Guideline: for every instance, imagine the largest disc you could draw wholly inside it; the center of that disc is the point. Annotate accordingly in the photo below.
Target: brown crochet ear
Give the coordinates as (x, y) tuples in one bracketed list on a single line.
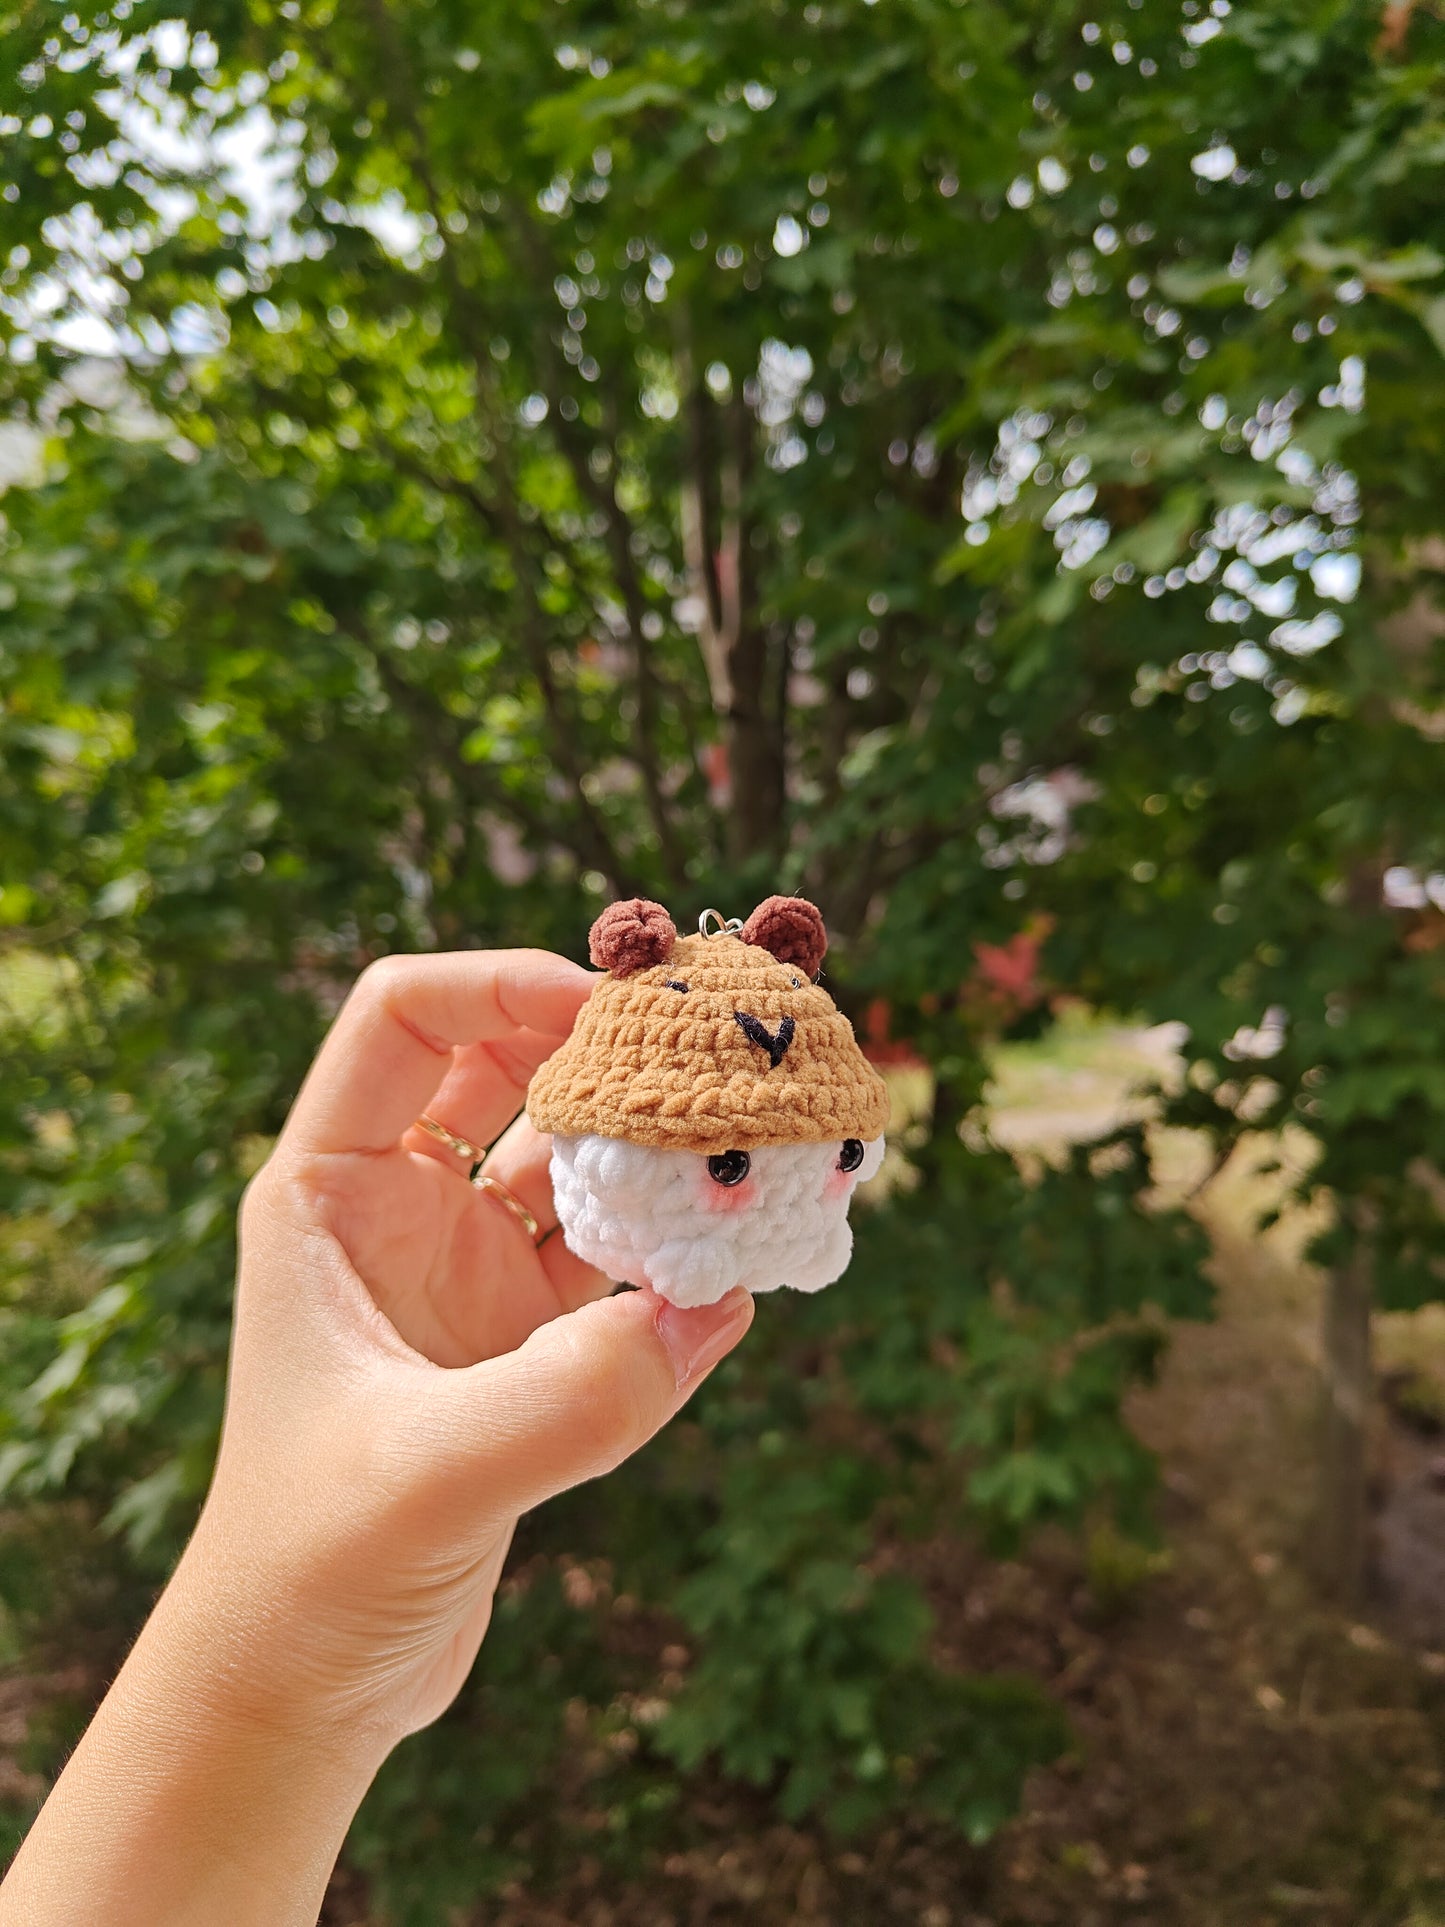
[(632, 935), (792, 928)]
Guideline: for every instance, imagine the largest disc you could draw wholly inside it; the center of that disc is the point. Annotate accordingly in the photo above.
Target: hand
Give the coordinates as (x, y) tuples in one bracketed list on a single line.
[(409, 1373)]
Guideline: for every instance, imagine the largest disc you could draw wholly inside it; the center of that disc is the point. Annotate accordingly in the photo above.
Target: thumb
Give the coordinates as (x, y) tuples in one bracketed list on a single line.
[(582, 1394)]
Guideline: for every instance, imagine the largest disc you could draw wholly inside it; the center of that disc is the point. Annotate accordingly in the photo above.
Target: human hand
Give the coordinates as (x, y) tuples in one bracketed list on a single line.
[(409, 1372)]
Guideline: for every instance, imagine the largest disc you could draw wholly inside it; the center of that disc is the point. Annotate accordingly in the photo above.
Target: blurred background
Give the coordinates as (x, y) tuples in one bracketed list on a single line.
[(974, 464)]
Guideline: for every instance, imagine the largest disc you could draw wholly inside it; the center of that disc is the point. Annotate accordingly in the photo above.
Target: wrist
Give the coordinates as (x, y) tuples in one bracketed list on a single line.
[(196, 1795), (254, 1660)]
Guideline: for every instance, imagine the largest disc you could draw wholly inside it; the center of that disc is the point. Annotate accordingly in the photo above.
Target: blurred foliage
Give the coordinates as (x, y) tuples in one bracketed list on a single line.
[(977, 466)]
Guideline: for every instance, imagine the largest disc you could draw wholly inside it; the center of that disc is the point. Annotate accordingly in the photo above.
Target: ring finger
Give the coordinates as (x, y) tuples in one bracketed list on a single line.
[(521, 1160)]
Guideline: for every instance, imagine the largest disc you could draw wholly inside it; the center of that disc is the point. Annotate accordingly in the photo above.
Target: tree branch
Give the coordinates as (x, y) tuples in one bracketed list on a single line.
[(601, 853), (758, 795), (618, 535), (435, 725), (698, 494)]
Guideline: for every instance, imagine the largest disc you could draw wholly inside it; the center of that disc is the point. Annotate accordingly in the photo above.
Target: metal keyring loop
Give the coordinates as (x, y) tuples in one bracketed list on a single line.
[(726, 926)]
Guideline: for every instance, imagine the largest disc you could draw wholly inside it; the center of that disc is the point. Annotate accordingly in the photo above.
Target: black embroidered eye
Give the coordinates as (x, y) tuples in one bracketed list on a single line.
[(796, 982), (851, 1156), (731, 1167), (671, 983)]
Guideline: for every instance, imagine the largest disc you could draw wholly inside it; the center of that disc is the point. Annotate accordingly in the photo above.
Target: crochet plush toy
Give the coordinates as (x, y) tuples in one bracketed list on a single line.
[(711, 1112)]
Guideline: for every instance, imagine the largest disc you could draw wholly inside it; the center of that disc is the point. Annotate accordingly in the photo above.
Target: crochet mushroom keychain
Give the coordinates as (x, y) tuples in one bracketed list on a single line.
[(711, 1112)]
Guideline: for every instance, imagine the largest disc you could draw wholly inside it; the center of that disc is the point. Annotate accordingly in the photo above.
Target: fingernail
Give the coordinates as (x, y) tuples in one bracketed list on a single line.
[(697, 1338)]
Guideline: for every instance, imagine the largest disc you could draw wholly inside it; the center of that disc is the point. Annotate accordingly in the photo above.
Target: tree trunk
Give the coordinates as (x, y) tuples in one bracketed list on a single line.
[(1346, 1391), (756, 811), (946, 1114)]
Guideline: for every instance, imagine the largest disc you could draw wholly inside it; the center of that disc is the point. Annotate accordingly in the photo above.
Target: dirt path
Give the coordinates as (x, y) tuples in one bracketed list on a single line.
[(1246, 1756)]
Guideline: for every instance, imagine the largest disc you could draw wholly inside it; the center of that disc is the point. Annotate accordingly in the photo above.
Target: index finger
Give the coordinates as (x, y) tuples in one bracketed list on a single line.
[(391, 1045)]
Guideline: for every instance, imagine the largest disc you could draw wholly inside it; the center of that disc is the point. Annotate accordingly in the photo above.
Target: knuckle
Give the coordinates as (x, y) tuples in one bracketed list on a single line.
[(618, 1416), (257, 1200), (286, 1192), (383, 978), (606, 1434)]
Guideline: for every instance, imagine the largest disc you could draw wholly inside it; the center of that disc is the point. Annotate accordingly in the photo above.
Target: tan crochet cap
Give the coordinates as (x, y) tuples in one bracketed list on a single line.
[(710, 1043)]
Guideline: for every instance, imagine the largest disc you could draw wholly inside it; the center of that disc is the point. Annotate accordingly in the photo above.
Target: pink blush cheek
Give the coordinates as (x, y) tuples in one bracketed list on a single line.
[(838, 1184), (726, 1200)]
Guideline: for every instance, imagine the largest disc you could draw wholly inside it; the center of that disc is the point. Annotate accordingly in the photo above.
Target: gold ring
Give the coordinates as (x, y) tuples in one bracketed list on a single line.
[(473, 1153), (496, 1189), (463, 1146)]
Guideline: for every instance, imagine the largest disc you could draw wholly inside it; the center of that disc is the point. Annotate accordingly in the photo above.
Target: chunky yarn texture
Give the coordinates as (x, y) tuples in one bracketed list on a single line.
[(718, 1047), (649, 1217)]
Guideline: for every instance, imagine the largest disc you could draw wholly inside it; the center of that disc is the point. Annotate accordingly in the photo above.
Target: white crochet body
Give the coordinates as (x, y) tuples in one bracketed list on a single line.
[(655, 1217)]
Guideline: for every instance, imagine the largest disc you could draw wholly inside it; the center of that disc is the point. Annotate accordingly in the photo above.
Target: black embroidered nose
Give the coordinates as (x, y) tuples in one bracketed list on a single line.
[(757, 1032)]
